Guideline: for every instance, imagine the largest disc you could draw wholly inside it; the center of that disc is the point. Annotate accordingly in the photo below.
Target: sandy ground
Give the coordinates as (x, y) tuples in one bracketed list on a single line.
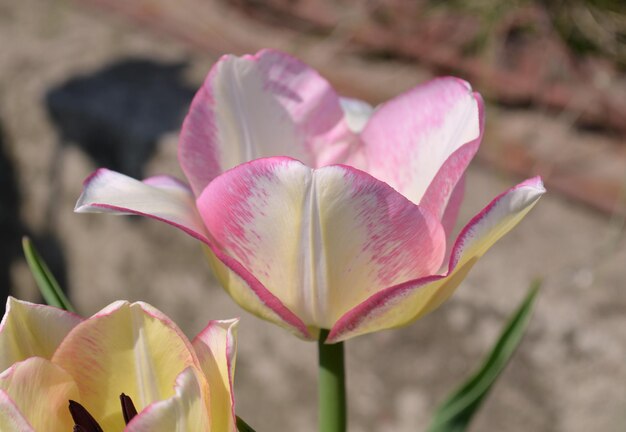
[(569, 375)]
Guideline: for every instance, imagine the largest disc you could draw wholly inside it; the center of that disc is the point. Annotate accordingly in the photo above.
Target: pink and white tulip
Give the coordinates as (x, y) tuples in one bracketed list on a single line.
[(309, 244), (50, 357)]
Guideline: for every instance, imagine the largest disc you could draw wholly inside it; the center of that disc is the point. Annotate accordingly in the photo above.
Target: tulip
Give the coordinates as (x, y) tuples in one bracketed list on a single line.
[(352, 237), (271, 104), (128, 367)]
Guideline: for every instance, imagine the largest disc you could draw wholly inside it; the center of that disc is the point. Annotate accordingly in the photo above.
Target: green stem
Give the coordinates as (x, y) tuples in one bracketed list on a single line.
[(332, 386)]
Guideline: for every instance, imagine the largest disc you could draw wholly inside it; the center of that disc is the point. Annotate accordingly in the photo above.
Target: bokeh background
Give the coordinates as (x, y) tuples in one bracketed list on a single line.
[(96, 83)]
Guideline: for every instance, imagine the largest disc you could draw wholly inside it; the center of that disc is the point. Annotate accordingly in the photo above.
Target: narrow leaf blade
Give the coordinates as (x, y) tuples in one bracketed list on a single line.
[(242, 426), (48, 286), (455, 414)]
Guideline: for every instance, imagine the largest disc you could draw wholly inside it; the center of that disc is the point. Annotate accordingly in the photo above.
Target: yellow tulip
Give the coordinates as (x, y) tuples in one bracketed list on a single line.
[(128, 367)]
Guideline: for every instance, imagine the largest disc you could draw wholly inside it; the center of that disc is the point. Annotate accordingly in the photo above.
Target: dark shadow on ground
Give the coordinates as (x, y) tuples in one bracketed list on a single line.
[(10, 224), (117, 114)]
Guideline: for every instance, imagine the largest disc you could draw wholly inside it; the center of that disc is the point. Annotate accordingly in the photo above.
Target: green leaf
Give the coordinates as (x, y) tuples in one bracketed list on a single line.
[(242, 426), (455, 414), (48, 286)]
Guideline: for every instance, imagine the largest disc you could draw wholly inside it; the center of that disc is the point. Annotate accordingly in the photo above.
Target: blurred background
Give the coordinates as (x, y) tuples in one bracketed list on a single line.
[(96, 83)]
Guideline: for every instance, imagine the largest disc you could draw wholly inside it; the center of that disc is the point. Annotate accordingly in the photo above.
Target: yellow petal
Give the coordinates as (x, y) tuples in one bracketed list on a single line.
[(32, 330), (125, 348), (183, 412), (11, 419), (216, 347), (41, 391)]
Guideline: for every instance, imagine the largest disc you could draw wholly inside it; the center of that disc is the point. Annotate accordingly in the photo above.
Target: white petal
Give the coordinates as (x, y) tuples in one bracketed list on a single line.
[(320, 241), (160, 198)]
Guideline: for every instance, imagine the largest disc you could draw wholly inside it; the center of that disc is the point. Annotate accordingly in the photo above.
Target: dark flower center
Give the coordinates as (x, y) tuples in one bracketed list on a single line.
[(84, 422)]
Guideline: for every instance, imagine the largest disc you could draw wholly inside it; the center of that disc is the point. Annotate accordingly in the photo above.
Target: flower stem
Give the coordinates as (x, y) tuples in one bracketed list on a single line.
[(332, 386)]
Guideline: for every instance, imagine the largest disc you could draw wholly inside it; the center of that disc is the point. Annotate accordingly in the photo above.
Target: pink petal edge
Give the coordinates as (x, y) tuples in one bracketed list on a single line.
[(197, 155), (351, 319), (401, 143), (441, 191)]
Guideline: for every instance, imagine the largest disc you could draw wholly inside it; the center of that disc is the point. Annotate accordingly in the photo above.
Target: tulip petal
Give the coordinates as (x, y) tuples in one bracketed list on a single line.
[(406, 302), (252, 295), (169, 183), (440, 192), (171, 202), (161, 198), (185, 411), (268, 104), (41, 391), (357, 113), (125, 348), (216, 347), (430, 132), (320, 240), (11, 419), (451, 212), (32, 330)]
